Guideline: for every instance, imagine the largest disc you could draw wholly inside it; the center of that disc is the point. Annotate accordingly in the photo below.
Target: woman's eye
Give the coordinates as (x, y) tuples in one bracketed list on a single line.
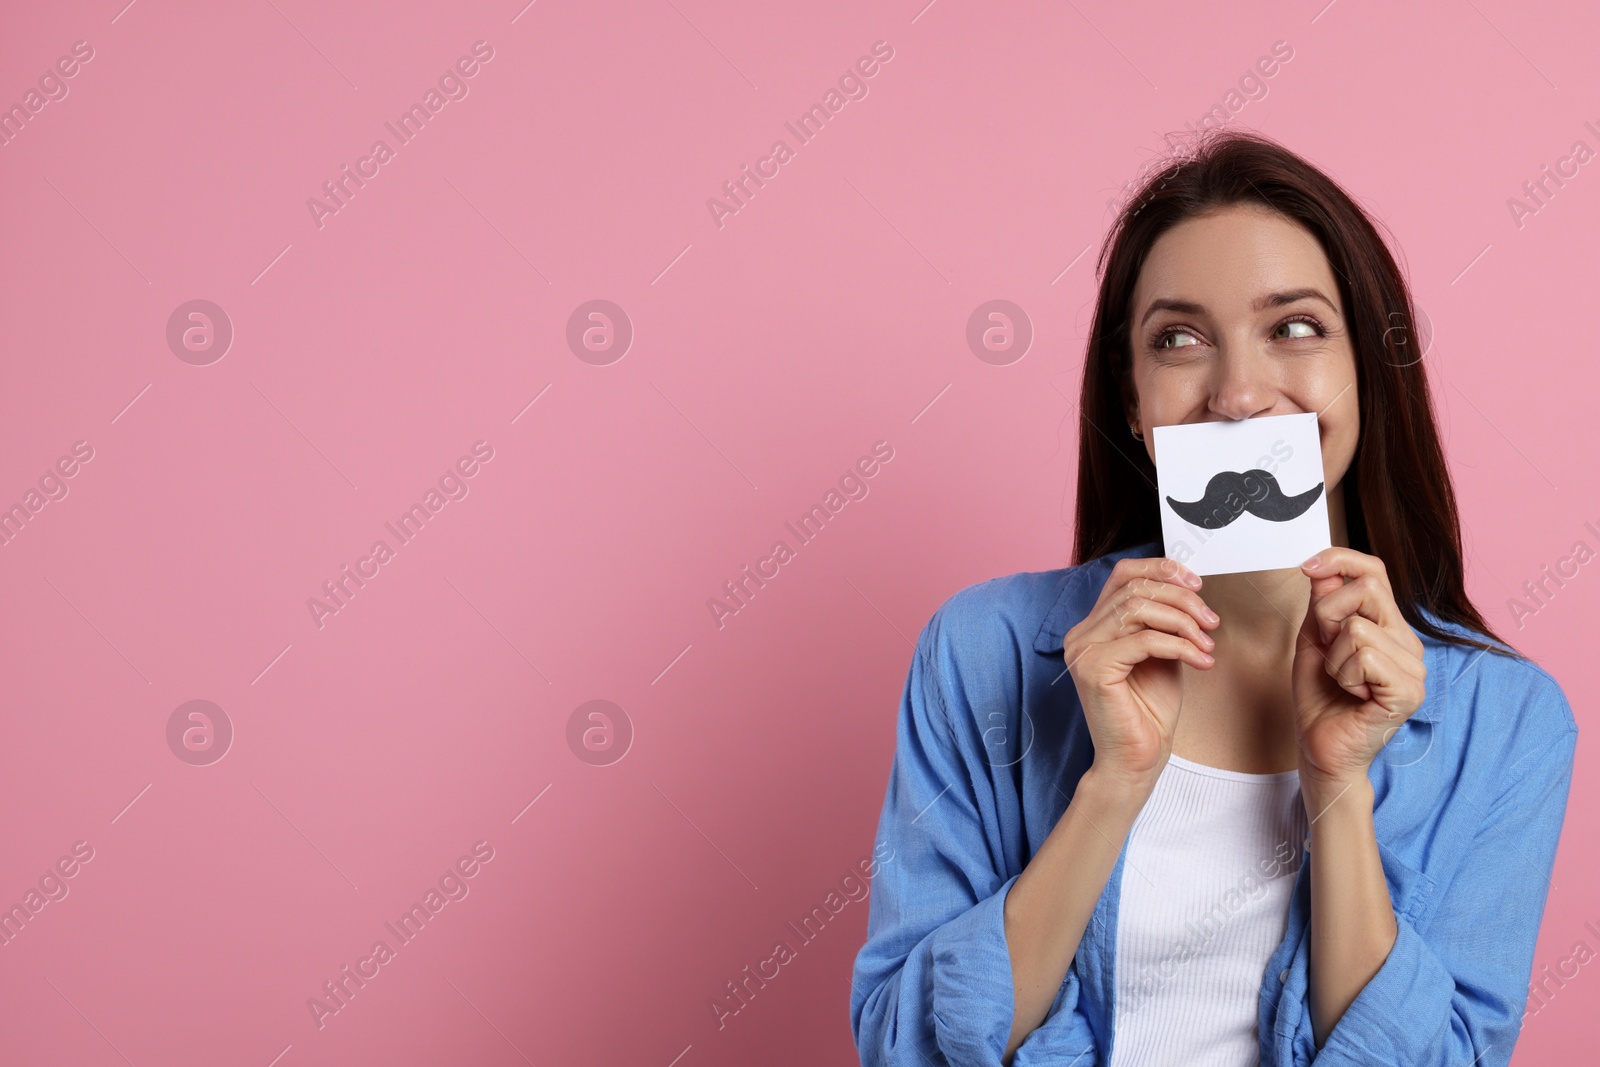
[(1307, 330), (1170, 339)]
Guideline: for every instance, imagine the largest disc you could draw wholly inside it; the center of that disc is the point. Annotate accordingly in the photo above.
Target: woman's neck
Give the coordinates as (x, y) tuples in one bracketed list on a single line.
[(1236, 715), (1260, 610), (1263, 609)]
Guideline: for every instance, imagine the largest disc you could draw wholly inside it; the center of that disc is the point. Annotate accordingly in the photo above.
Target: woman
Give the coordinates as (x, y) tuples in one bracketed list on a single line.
[(1286, 816)]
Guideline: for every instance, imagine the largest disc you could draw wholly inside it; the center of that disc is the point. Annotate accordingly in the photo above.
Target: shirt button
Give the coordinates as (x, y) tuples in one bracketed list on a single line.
[(1284, 977)]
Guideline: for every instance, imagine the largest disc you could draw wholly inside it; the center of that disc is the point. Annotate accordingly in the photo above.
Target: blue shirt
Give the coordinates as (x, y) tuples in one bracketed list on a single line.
[(1469, 798)]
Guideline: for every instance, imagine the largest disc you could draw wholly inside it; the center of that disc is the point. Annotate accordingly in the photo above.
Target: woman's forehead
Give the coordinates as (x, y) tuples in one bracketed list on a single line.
[(1233, 260)]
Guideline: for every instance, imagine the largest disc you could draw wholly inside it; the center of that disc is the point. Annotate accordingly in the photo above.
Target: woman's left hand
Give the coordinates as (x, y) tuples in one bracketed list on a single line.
[(1358, 667)]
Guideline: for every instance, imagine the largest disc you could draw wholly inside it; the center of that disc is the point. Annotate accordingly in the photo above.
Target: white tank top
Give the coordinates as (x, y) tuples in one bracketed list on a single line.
[(1205, 902)]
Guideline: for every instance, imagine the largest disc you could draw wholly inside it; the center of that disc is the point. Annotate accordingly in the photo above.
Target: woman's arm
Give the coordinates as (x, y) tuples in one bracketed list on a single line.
[(1445, 986), (963, 964), (1049, 905), (1352, 917), (1359, 672), (932, 985), (1452, 989), (1125, 658)]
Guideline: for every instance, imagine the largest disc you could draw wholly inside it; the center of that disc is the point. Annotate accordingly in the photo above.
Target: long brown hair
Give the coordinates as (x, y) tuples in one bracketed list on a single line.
[(1399, 502)]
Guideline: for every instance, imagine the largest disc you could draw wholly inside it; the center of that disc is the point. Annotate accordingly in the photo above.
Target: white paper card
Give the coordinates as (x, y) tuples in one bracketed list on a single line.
[(1242, 495)]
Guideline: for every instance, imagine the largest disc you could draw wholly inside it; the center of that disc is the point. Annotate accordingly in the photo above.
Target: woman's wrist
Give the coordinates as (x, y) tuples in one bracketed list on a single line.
[(1333, 795), (1114, 792)]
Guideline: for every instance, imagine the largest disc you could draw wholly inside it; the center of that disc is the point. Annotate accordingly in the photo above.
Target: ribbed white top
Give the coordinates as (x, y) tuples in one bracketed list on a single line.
[(1205, 902)]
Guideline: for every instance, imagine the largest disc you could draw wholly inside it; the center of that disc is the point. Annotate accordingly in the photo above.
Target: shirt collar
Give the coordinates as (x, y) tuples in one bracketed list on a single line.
[(1080, 586)]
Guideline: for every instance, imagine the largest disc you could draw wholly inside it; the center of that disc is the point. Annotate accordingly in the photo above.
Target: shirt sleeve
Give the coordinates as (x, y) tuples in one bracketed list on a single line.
[(1453, 991), (932, 985)]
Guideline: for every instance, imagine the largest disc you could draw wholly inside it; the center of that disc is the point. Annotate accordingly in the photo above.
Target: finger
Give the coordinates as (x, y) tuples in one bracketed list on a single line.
[(1364, 596), (1126, 652), (1110, 662), (1372, 674), (1186, 600), (1346, 674), (1398, 684), (1140, 613), (1346, 563), (1360, 631), (1155, 568), (1122, 616), (1311, 656), (1159, 577)]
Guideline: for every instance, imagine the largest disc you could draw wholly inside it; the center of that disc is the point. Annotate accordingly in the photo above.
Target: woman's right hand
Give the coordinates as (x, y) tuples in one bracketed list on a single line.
[(1124, 659)]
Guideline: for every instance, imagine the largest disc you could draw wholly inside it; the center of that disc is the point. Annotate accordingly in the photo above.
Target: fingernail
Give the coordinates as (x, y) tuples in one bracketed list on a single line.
[(1193, 580), (1211, 616), (1312, 564)]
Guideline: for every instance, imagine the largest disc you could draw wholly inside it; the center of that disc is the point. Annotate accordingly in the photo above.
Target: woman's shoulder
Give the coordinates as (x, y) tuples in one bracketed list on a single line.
[(1027, 609), (1504, 699)]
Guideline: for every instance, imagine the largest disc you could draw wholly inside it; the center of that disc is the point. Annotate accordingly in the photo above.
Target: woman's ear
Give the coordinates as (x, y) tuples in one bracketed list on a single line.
[(1130, 410), (1129, 396)]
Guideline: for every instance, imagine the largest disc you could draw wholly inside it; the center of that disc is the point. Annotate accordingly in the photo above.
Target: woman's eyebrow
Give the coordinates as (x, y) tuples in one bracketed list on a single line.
[(1271, 300), (1183, 307), (1289, 296)]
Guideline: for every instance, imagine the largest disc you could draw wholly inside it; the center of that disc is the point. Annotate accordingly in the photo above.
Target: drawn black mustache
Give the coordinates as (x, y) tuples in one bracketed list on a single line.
[(1230, 494)]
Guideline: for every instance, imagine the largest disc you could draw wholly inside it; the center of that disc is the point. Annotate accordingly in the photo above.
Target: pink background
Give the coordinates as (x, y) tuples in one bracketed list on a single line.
[(768, 355)]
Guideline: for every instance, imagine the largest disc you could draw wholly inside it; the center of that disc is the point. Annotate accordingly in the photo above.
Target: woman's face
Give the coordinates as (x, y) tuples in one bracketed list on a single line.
[(1236, 315)]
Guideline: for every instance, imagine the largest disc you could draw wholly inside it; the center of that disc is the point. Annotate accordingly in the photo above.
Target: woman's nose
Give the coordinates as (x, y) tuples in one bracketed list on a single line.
[(1243, 386)]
